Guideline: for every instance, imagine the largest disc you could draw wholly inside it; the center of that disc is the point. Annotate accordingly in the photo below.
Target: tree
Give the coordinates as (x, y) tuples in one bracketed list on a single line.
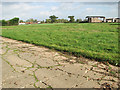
[(53, 18), (48, 21), (62, 21), (78, 20), (13, 21), (30, 20), (71, 19), (21, 21), (35, 21), (43, 21), (4, 23), (66, 21), (0, 22)]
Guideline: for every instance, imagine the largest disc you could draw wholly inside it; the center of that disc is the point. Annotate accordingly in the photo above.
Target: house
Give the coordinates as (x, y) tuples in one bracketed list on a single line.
[(110, 20), (117, 20), (94, 19)]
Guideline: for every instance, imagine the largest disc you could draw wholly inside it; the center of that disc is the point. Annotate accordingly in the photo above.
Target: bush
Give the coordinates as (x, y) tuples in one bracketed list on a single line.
[(4, 23)]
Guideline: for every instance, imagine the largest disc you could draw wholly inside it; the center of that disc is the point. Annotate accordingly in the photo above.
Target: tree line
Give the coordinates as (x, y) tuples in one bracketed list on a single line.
[(52, 19), (10, 22)]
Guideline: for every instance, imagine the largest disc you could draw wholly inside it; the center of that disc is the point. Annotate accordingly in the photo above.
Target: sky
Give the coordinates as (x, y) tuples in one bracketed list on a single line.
[(42, 10)]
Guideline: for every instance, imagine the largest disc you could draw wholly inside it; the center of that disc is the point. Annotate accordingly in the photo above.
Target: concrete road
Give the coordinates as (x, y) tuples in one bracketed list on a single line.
[(28, 66)]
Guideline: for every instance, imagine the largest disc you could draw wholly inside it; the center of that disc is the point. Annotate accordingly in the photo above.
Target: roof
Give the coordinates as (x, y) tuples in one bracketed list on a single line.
[(117, 18), (109, 19), (95, 17), (21, 22)]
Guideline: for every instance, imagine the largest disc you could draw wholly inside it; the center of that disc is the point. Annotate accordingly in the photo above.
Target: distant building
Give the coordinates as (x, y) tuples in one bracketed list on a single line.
[(29, 22), (39, 22), (95, 19), (117, 20), (22, 23), (32, 23), (110, 20)]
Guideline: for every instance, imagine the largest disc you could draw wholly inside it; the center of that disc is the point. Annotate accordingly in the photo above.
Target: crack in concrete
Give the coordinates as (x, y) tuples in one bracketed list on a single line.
[(9, 64), (69, 74)]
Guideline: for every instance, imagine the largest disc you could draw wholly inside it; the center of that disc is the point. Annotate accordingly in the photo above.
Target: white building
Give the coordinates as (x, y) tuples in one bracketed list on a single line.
[(39, 22), (21, 23)]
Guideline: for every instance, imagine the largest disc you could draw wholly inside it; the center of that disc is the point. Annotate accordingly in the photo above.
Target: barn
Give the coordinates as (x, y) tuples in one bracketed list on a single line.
[(95, 19), (117, 20)]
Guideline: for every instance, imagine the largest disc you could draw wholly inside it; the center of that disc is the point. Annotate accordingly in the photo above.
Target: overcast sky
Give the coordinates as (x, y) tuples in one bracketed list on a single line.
[(42, 10)]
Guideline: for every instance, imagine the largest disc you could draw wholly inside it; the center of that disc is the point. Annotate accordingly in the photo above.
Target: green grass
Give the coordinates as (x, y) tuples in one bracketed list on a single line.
[(97, 41)]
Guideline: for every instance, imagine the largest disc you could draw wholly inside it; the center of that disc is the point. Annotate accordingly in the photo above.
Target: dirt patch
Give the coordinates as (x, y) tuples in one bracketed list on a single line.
[(6, 28)]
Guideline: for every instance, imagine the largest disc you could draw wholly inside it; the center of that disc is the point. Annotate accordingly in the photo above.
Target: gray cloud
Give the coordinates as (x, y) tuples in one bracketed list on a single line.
[(41, 11), (60, 1)]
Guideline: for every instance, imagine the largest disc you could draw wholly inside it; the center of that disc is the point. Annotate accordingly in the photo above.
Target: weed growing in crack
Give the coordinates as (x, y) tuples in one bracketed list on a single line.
[(94, 65), (9, 64), (34, 85), (36, 79), (49, 87), (112, 72), (16, 50), (6, 51), (109, 68), (81, 62)]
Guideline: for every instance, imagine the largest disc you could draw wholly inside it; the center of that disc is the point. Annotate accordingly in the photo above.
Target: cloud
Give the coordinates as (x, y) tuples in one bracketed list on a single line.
[(42, 11), (89, 9), (54, 8), (46, 13), (22, 10), (60, 1)]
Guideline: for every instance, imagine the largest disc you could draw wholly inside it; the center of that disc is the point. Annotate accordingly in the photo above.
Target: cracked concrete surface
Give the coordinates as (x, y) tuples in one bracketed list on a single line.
[(29, 66)]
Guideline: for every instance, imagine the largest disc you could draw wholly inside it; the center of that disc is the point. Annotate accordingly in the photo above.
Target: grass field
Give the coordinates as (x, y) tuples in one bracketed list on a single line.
[(97, 41)]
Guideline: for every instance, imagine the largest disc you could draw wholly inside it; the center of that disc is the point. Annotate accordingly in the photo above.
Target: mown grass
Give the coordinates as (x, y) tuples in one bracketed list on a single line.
[(98, 41)]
